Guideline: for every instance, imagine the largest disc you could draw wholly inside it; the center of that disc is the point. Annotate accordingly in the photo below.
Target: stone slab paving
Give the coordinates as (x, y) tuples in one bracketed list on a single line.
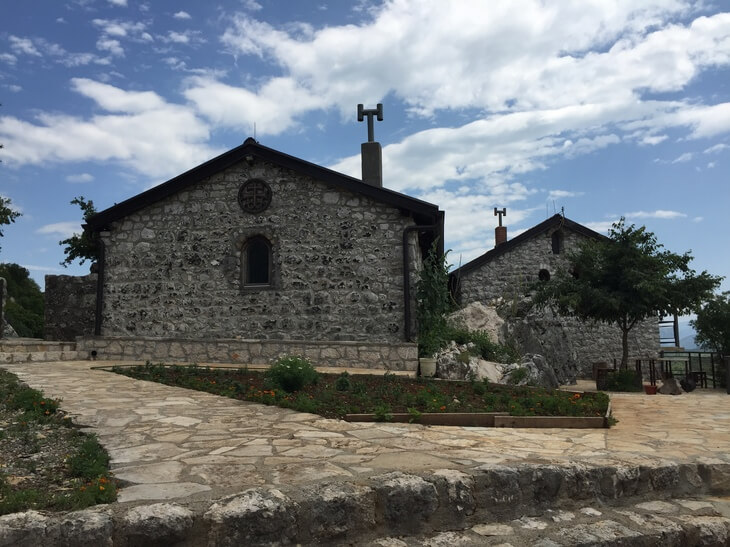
[(171, 443), (175, 444)]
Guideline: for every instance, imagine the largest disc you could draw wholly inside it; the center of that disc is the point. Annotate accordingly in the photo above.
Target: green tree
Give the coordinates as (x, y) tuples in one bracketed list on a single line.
[(713, 324), (624, 279), (81, 247), (24, 309), (7, 213)]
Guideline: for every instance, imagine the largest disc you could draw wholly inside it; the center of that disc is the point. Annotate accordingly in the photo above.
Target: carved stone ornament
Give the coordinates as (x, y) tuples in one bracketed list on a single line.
[(254, 196)]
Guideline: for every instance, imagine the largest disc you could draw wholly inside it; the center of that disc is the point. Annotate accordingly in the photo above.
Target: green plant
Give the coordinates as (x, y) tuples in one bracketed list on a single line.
[(343, 382), (383, 413), (91, 461), (517, 375), (623, 380), (292, 373), (434, 302), (414, 415)]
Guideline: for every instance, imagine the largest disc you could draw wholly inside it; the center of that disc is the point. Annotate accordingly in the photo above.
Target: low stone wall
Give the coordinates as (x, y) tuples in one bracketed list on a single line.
[(402, 356), (388, 504), (70, 308)]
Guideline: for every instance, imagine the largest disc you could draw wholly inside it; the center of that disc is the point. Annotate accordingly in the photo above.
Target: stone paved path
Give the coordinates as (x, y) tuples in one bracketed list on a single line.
[(183, 445)]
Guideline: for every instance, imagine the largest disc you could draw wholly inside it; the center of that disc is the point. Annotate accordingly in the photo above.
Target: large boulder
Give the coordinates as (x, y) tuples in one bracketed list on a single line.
[(537, 372), (480, 317), (670, 386), (456, 362)]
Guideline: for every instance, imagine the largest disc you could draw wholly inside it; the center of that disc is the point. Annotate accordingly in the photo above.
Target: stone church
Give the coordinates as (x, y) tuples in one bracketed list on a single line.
[(501, 276), (255, 254)]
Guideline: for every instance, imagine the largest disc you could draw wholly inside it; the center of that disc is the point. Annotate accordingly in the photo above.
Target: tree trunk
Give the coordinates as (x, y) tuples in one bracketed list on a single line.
[(624, 348)]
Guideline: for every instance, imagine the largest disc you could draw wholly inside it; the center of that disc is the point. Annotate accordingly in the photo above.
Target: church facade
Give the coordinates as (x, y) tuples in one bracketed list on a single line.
[(255, 254)]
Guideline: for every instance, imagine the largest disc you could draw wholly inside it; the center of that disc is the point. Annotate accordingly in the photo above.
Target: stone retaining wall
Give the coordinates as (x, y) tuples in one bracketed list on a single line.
[(393, 503), (396, 356), (70, 306)]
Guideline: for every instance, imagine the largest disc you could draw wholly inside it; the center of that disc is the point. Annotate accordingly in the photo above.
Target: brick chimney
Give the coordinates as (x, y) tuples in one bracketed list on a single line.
[(500, 232), (371, 152)]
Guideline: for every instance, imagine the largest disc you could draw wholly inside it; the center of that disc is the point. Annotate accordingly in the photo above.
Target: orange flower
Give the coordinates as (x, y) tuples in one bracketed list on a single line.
[(101, 487), (443, 408)]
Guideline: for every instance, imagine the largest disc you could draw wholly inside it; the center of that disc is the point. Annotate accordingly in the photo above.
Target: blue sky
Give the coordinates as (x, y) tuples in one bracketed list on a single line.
[(605, 108)]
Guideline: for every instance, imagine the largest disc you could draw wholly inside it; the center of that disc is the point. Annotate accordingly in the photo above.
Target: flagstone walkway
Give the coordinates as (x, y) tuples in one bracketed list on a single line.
[(174, 443)]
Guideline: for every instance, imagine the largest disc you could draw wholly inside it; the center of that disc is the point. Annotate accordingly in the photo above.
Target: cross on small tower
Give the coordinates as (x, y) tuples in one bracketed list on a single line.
[(500, 213), (370, 112)]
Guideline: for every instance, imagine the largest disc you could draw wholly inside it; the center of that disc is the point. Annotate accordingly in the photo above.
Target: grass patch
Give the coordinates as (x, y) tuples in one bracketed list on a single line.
[(45, 462), (334, 395)]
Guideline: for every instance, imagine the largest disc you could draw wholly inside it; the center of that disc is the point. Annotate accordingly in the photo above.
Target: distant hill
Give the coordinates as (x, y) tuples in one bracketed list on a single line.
[(688, 343)]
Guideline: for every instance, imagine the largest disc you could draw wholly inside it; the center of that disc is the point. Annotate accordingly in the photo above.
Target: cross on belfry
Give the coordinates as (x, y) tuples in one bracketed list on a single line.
[(500, 213), (361, 113)]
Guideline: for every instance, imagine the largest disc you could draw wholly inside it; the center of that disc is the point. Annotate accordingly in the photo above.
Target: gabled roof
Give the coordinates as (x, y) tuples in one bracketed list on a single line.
[(423, 212), (554, 221)]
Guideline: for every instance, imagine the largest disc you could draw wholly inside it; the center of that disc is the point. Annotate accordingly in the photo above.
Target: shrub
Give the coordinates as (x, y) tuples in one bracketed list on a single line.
[(623, 380), (517, 375), (343, 382), (292, 373)]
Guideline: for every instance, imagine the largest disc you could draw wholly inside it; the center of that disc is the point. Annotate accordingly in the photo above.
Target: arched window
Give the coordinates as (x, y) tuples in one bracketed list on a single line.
[(256, 262), (557, 242), (543, 275)]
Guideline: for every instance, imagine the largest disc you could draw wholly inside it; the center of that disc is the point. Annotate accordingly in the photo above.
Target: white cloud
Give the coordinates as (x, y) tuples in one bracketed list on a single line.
[(557, 194), (240, 108), (112, 46), (711, 165), (698, 219), (251, 5), (13, 87), (80, 177), (140, 131), (23, 46), (182, 15), (120, 3), (8, 58), (653, 139), (185, 37), (720, 147), (659, 214), (687, 156), (34, 268), (60, 229)]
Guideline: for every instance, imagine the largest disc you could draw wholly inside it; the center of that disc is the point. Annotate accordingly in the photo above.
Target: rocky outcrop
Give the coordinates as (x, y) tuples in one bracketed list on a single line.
[(537, 372), (457, 362)]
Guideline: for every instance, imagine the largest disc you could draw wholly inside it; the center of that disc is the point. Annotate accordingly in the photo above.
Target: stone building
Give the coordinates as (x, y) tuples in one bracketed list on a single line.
[(501, 277), (255, 254)]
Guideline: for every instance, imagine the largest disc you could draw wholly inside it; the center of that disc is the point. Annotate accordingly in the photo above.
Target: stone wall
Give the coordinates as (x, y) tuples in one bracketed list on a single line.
[(393, 356), (508, 275), (70, 306), (504, 281), (173, 269)]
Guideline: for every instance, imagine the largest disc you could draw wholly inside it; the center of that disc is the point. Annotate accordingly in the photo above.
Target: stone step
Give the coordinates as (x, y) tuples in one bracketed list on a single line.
[(27, 345), (43, 356), (685, 522)]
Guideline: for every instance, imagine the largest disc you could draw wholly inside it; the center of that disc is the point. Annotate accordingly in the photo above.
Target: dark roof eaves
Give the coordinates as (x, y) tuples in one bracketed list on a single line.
[(225, 160)]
